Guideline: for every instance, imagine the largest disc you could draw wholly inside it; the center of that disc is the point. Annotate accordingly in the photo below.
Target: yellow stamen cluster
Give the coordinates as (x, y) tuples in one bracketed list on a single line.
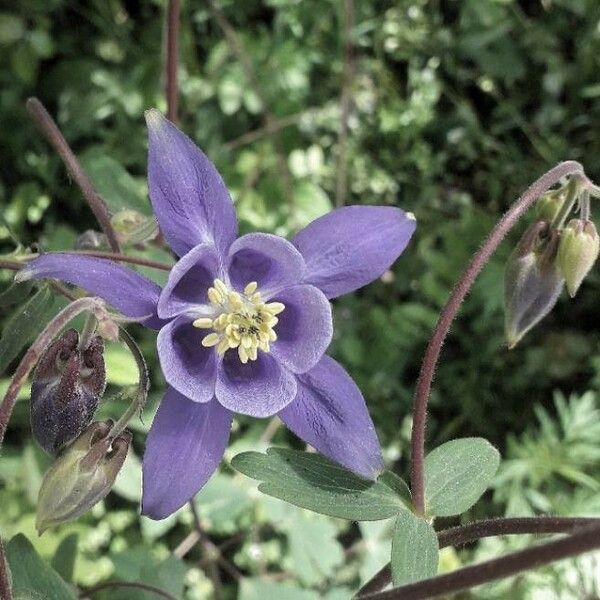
[(244, 322)]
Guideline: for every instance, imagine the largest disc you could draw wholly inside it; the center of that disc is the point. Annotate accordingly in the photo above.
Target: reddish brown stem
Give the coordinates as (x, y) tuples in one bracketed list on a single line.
[(432, 353), (583, 540), (56, 139), (172, 59), (471, 532)]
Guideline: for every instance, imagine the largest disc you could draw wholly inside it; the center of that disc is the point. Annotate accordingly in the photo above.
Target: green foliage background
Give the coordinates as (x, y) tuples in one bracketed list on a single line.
[(456, 107)]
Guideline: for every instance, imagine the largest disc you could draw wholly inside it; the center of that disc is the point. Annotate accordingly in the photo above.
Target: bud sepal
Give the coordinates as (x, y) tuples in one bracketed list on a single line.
[(82, 475), (577, 252)]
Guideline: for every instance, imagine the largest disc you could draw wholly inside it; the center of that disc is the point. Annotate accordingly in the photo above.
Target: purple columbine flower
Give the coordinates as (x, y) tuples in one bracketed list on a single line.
[(244, 323)]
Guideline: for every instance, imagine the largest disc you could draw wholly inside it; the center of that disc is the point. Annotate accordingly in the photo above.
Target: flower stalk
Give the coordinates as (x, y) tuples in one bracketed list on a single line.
[(432, 353), (584, 539), (56, 139), (471, 532)]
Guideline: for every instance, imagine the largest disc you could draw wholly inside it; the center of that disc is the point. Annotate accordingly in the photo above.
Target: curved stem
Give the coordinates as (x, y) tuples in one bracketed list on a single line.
[(126, 584), (56, 139), (143, 384), (583, 540), (32, 355), (14, 265), (471, 532), (172, 59), (432, 353), (134, 260)]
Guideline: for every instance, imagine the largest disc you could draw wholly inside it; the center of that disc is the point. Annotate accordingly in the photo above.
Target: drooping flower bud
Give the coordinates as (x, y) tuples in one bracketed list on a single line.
[(67, 385), (549, 205), (532, 282), (577, 252), (82, 476)]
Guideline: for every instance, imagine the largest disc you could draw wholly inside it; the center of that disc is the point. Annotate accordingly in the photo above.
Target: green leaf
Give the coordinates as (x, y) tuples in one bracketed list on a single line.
[(311, 481), (457, 473), (118, 188), (414, 549), (31, 575), (64, 557), (396, 483), (16, 292), (26, 322)]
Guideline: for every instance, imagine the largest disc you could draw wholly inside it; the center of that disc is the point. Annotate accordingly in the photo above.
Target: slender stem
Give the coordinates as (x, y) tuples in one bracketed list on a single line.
[(134, 260), (89, 328), (32, 355), (583, 540), (257, 134), (56, 139), (125, 584), (143, 384), (14, 265), (449, 311), (172, 58), (471, 532), (5, 591), (565, 209), (341, 187)]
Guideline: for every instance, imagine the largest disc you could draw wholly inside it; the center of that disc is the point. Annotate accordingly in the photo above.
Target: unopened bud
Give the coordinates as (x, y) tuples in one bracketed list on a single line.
[(67, 385), (550, 204), (82, 476), (577, 252), (532, 282)]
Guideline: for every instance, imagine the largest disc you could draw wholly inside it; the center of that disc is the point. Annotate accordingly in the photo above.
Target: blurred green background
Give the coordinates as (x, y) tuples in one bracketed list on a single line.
[(454, 107)]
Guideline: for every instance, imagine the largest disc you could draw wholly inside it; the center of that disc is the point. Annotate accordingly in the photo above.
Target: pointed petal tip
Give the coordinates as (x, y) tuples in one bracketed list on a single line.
[(25, 274), (153, 117)]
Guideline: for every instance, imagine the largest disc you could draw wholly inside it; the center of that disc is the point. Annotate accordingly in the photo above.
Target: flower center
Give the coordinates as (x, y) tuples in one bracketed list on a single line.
[(244, 321)]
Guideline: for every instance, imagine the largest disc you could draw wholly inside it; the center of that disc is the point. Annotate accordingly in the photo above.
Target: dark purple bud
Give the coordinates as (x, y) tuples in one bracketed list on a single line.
[(67, 385)]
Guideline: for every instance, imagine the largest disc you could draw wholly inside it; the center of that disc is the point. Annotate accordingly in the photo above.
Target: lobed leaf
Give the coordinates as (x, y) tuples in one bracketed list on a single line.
[(313, 482)]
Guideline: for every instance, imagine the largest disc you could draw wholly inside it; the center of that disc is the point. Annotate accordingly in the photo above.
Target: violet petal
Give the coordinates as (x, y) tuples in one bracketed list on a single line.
[(352, 246), (330, 414), (188, 195), (305, 328), (189, 281), (268, 259), (259, 388), (131, 293), (184, 447), (187, 365)]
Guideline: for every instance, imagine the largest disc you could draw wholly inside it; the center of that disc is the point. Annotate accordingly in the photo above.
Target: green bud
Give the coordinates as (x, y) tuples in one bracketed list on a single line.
[(81, 476), (532, 282), (577, 252), (549, 205)]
